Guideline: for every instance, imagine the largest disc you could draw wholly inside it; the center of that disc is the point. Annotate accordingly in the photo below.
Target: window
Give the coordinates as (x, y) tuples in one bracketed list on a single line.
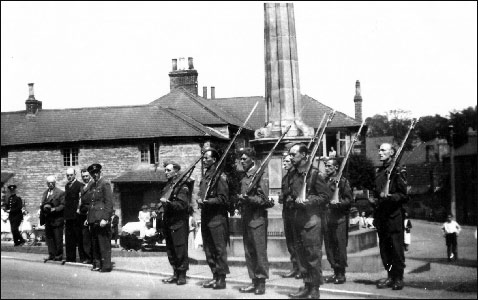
[(149, 153), (70, 157)]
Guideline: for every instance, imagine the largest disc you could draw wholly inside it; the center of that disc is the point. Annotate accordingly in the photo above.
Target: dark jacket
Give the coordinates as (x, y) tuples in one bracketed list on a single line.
[(15, 205), (72, 199), (318, 193), (85, 197), (101, 207), (57, 201), (218, 202), (338, 213), (177, 209), (388, 210)]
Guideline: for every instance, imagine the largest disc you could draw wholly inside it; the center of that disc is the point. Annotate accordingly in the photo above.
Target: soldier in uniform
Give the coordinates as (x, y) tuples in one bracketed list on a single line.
[(51, 215), (73, 224), (288, 213), (308, 220), (214, 220), (336, 223), (176, 223), (85, 201), (99, 216), (254, 220), (388, 218), (15, 215)]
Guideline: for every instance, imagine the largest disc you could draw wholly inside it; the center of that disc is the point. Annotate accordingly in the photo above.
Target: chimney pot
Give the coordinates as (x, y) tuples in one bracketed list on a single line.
[(31, 95), (204, 92), (190, 63), (358, 102), (213, 92), (175, 64)]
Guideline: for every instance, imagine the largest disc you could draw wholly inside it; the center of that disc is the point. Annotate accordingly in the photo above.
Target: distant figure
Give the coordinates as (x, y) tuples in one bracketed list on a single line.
[(144, 216), (332, 152), (26, 227), (451, 229), (15, 215), (354, 216), (362, 220), (369, 221), (114, 227), (407, 226), (6, 230)]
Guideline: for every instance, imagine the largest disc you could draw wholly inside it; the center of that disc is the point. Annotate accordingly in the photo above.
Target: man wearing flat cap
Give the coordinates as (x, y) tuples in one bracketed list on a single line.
[(254, 219), (14, 208), (51, 214), (98, 219)]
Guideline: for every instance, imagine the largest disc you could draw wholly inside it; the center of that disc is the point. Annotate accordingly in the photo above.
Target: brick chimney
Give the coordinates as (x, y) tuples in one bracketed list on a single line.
[(358, 102), (213, 92), (32, 105), (204, 92), (180, 76)]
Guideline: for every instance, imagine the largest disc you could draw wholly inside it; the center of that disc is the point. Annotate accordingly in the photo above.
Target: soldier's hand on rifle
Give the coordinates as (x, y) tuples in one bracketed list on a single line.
[(164, 200), (103, 223), (86, 223)]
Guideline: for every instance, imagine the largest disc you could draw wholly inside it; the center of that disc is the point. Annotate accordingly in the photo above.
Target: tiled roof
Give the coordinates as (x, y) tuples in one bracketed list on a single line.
[(96, 123), (468, 148), (198, 108), (311, 113), (141, 176)]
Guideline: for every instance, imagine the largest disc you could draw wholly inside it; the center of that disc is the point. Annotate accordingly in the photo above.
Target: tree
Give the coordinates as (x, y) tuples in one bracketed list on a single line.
[(430, 127), (394, 123), (360, 172), (461, 121)]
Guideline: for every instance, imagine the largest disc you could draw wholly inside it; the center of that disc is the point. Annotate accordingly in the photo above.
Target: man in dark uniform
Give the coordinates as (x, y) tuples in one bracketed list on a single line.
[(176, 223), (388, 218), (254, 220), (15, 215), (51, 215), (85, 201), (288, 214), (114, 227), (309, 213), (99, 216), (73, 224), (214, 220), (336, 223)]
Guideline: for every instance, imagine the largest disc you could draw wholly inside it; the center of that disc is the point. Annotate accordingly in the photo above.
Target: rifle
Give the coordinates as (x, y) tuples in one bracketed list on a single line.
[(219, 166), (184, 176), (335, 197), (395, 160), (312, 154), (258, 173), (318, 130)]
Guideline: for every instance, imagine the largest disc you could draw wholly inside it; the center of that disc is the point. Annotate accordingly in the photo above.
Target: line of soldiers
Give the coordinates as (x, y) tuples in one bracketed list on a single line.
[(308, 221), (84, 212)]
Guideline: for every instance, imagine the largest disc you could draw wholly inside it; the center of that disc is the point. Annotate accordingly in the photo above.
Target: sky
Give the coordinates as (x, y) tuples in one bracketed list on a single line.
[(415, 56)]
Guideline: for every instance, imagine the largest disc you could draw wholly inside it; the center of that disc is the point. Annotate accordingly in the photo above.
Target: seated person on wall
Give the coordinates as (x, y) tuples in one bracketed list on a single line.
[(354, 219)]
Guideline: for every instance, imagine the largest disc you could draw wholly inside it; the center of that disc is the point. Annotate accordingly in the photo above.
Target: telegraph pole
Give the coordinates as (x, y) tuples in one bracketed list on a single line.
[(452, 174)]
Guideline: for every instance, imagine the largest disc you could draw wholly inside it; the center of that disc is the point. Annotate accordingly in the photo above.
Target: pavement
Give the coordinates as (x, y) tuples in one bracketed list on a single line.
[(435, 279)]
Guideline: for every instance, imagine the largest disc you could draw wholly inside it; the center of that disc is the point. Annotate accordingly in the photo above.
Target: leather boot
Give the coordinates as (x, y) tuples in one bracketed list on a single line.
[(172, 279), (302, 293), (340, 278), (260, 287), (250, 288), (385, 283), (331, 279), (210, 283), (181, 278), (220, 283), (398, 282), (314, 293)]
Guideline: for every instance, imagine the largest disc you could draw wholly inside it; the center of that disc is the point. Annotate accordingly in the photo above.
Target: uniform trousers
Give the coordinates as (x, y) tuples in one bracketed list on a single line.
[(101, 244), (335, 239), (288, 218), (15, 225), (86, 239), (215, 234), (255, 243), (176, 236), (54, 240), (74, 239), (308, 236), (392, 252)]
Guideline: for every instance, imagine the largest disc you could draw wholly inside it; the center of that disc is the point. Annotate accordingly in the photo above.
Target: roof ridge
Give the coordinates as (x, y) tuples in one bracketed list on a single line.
[(79, 108), (193, 97), (176, 114)]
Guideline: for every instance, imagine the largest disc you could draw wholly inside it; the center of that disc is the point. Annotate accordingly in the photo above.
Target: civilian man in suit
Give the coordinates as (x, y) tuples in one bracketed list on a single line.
[(51, 215), (85, 201), (99, 217), (15, 215), (254, 219), (176, 223), (114, 227), (73, 225)]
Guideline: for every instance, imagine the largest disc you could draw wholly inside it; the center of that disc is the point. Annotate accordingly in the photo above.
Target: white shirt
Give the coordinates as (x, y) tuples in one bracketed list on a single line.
[(451, 227)]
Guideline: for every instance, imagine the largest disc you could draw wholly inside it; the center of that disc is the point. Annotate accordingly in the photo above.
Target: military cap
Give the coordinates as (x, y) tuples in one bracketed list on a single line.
[(247, 151), (94, 168), (11, 187)]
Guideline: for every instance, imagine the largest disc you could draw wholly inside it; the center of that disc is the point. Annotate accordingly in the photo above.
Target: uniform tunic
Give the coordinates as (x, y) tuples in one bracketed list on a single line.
[(388, 220), (336, 228), (254, 221), (214, 219), (15, 205), (101, 208), (308, 222), (176, 226)]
